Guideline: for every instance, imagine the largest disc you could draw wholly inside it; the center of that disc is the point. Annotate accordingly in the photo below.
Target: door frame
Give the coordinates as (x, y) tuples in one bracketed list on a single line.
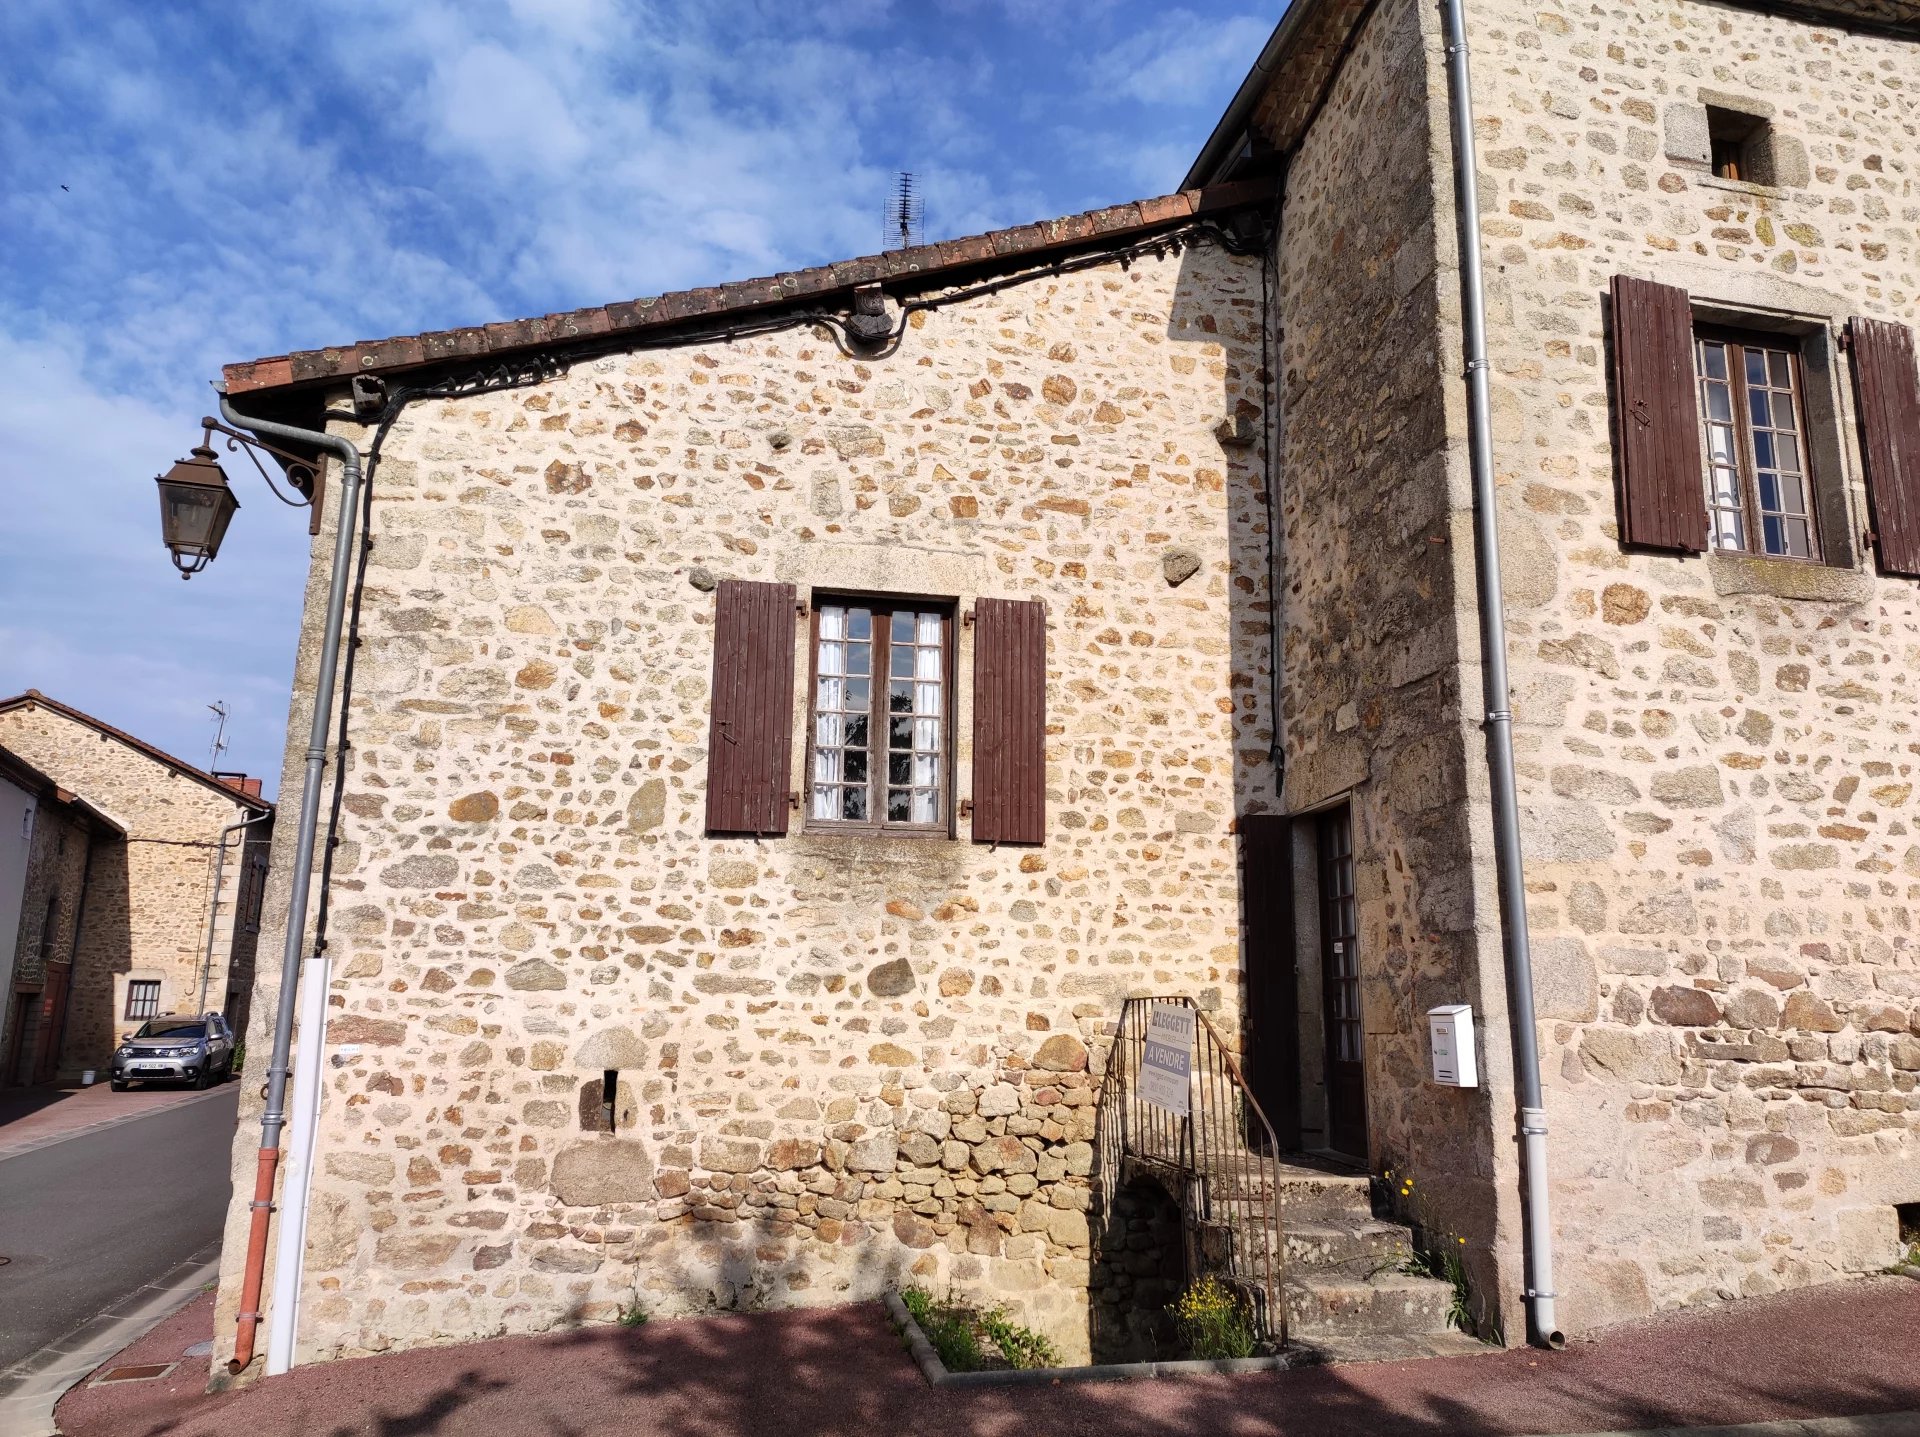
[(1345, 1077)]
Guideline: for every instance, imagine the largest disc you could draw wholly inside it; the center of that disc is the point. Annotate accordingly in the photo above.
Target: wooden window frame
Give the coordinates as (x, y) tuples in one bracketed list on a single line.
[(877, 824), (1745, 463), (150, 986)]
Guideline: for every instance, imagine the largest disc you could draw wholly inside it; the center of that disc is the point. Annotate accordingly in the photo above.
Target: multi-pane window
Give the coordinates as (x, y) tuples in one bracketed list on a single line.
[(143, 997), (1759, 498), (879, 741)]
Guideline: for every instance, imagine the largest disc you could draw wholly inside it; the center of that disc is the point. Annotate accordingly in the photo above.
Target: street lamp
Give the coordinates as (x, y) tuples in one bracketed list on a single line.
[(196, 505)]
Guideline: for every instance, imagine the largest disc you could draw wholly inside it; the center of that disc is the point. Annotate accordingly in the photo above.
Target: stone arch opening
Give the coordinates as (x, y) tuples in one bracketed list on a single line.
[(1139, 1268)]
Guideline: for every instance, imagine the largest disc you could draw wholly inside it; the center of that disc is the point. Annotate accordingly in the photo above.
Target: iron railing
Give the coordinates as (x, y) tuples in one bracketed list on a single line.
[(1218, 1160)]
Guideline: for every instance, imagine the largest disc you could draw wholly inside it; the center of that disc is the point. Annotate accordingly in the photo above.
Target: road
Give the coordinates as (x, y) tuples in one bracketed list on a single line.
[(86, 1221)]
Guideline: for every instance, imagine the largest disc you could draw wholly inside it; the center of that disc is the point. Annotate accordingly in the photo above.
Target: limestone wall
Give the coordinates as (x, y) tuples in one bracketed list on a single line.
[(147, 898), (1379, 634), (1716, 753), (842, 1059)]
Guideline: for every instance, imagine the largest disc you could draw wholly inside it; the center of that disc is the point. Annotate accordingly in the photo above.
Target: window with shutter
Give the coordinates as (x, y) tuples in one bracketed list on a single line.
[(1887, 396), (750, 736), (1656, 418), (1009, 721)]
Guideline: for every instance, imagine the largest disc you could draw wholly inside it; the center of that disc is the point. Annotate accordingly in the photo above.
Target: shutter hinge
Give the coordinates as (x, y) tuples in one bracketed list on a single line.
[(966, 808), (1869, 538), (1846, 339), (793, 798), (800, 607), (966, 619)]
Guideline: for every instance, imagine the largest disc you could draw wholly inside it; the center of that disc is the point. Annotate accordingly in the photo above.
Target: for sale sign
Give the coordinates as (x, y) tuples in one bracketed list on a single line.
[(1166, 1068)]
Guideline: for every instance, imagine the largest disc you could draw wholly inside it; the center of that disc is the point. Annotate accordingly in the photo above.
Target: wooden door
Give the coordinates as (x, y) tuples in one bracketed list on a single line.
[(1340, 988), (1272, 1001), (53, 1025)]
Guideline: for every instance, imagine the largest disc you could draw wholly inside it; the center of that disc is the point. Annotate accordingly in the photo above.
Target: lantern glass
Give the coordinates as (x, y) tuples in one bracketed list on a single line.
[(195, 509)]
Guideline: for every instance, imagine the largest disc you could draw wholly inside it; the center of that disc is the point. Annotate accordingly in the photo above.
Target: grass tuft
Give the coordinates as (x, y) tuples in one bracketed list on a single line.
[(972, 1339)]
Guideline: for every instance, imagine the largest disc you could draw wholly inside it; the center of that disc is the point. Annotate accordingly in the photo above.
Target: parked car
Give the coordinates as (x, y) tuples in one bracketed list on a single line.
[(175, 1047)]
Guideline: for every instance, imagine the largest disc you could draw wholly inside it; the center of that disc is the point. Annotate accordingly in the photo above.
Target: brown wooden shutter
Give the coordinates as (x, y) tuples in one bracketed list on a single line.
[(1009, 721), (750, 739), (1887, 395), (1663, 502)]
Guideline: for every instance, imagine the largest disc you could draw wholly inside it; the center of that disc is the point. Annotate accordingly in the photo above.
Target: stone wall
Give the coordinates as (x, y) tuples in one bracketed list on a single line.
[(49, 905), (1379, 634), (1716, 753), (147, 898), (841, 1059)]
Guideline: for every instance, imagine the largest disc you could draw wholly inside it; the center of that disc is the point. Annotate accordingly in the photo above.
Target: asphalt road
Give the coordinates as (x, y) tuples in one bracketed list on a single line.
[(86, 1221)]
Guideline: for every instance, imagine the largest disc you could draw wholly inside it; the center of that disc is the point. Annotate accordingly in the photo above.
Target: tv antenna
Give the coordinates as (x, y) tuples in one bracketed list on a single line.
[(219, 710), (904, 213)]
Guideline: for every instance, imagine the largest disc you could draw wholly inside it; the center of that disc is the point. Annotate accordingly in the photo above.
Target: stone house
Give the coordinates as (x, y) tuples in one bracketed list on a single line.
[(48, 839), (1145, 538), (147, 932)]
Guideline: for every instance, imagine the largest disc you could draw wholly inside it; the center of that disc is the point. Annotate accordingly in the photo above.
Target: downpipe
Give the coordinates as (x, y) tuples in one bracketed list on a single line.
[(1542, 1328), (213, 909), (309, 987)]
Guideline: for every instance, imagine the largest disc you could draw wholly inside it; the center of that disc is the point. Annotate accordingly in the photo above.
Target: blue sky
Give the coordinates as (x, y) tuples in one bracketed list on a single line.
[(192, 184)]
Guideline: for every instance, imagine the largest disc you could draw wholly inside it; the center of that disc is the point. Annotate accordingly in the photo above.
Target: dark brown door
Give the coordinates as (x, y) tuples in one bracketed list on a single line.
[(1340, 988), (1273, 995)]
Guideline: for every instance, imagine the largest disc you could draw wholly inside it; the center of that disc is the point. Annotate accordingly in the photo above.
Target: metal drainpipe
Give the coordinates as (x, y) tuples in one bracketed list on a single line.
[(290, 1249), (1541, 1326), (213, 912)]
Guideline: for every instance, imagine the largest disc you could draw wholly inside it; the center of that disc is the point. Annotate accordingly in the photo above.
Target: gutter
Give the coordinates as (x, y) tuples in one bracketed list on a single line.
[(1496, 695), (290, 1251), (1225, 144), (213, 909)]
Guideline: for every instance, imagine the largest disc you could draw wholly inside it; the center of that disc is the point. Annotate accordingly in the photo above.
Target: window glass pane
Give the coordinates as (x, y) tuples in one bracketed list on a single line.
[(926, 770), (1719, 403), (859, 658), (857, 731), (1726, 488), (856, 765), (859, 694), (926, 664), (1763, 449), (923, 810), (833, 658), (826, 765), (899, 768), (853, 804), (1758, 408), (827, 695), (833, 621), (1799, 536), (929, 629), (900, 662), (1782, 374), (1769, 492), (899, 805), (1792, 495), (1756, 366), (826, 802), (900, 733), (1715, 358), (900, 697), (903, 627), (859, 624), (1772, 536), (1720, 443), (926, 734), (926, 700)]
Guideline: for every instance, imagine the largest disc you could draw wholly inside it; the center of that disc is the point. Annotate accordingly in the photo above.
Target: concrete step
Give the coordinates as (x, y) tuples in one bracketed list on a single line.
[(1327, 1350), (1387, 1304)]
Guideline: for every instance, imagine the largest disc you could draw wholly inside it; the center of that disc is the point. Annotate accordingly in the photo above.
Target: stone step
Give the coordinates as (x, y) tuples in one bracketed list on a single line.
[(1348, 1245), (1387, 1304), (1327, 1350)]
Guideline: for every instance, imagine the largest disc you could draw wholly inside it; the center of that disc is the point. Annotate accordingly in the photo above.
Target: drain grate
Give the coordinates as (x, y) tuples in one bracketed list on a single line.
[(144, 1372)]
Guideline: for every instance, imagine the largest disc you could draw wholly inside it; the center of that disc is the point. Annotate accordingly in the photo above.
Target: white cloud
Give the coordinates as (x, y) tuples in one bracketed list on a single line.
[(1185, 59)]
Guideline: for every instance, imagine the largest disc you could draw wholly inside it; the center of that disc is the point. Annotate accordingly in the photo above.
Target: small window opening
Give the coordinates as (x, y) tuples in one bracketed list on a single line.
[(1734, 138), (600, 1104), (1909, 1215), (609, 1091)]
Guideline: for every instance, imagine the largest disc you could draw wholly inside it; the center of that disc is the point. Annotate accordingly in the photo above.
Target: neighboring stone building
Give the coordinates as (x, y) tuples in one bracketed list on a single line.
[(48, 841), (152, 935), (650, 981)]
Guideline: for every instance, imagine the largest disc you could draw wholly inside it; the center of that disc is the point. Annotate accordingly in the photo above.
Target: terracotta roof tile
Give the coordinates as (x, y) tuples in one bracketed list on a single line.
[(919, 264)]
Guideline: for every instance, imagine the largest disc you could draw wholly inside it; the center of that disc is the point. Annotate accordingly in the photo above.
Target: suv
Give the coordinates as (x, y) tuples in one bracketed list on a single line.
[(177, 1047)]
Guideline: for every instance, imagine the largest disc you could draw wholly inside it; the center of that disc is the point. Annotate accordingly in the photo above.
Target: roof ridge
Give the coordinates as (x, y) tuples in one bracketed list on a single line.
[(159, 755), (916, 266)]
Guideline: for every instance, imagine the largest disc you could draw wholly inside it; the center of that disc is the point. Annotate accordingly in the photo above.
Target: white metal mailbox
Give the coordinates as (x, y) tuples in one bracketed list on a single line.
[(1450, 1029)]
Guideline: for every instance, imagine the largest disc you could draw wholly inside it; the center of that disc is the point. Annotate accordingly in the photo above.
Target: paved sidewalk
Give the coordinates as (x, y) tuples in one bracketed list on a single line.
[(1846, 1349), (33, 1118)]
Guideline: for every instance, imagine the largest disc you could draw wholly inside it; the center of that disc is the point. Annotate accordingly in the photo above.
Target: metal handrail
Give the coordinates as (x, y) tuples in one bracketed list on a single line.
[(1218, 1159)]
